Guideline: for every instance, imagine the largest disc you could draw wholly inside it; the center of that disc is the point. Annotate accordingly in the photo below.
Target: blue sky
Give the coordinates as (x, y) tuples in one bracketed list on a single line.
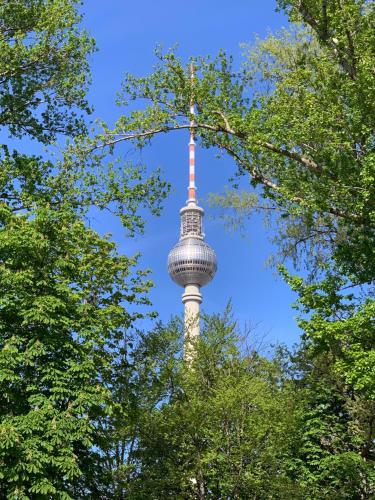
[(127, 33)]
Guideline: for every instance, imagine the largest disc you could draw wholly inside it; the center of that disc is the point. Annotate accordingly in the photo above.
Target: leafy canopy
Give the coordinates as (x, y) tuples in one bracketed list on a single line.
[(44, 74), (67, 296), (232, 423)]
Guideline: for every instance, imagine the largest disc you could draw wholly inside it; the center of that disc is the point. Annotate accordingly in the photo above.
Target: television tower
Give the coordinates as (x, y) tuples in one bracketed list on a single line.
[(191, 262)]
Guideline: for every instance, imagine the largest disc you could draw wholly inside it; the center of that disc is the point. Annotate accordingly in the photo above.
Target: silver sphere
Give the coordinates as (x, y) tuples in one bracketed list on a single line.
[(192, 262)]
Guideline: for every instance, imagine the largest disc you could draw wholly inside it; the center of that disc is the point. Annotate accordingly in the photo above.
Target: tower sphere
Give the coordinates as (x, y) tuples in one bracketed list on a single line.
[(192, 262)]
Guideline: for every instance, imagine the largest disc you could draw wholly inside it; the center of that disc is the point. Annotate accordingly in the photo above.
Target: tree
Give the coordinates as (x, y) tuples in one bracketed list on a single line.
[(335, 457), (67, 296), (218, 427), (233, 424), (62, 311)]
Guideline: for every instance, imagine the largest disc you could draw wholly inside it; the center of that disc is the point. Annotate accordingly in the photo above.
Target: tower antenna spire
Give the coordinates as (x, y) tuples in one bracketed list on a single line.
[(192, 190)]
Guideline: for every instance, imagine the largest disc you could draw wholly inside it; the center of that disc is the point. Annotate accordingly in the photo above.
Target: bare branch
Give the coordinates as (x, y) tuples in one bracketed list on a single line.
[(228, 128)]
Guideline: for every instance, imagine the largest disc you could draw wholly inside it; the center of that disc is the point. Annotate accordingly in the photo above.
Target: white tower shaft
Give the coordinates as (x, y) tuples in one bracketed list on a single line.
[(192, 299)]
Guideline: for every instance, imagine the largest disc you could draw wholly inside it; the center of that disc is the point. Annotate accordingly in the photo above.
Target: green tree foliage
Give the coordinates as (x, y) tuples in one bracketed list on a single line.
[(334, 458), (67, 296), (337, 357), (233, 424), (225, 431), (336, 323), (216, 427), (44, 74), (62, 310)]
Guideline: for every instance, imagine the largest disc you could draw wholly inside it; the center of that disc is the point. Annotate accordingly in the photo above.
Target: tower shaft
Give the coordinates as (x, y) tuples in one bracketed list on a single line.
[(192, 299)]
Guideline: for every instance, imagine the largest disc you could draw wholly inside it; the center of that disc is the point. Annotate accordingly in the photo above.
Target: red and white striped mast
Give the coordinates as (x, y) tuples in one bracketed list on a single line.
[(192, 198)]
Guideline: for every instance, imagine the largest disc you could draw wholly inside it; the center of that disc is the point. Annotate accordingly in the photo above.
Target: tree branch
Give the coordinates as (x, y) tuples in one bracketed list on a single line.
[(293, 155), (256, 174), (304, 160)]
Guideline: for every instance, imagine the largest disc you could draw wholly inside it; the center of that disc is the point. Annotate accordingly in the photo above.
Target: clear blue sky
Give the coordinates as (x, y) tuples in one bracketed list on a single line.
[(126, 34)]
